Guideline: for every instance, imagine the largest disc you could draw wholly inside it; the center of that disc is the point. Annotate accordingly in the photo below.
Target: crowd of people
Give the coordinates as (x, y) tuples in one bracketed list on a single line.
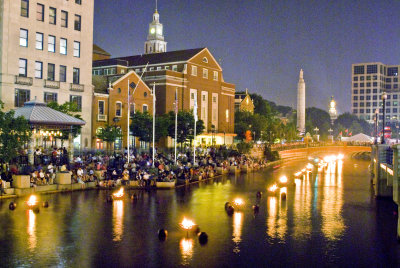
[(115, 170)]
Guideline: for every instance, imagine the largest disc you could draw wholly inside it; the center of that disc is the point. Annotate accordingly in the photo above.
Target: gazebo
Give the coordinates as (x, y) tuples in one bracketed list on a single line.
[(46, 122)]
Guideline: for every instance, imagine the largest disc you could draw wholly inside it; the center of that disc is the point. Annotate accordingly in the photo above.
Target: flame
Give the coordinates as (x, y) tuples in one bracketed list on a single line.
[(283, 179), (297, 174), (187, 224), (273, 188), (32, 201), (119, 194), (238, 201), (340, 157), (309, 166)]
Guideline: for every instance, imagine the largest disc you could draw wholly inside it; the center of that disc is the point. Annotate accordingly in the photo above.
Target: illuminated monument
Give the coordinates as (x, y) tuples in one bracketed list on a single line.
[(301, 104), (332, 110)]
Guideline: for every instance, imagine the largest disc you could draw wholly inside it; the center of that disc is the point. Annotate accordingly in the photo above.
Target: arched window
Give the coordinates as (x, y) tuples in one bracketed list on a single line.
[(205, 60)]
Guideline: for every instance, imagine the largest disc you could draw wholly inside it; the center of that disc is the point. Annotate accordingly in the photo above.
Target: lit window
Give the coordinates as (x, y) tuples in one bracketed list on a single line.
[(205, 73), (118, 109), (25, 8), (22, 67), (51, 43), (175, 68), (23, 38), (39, 69), (52, 15), (77, 49), (39, 41), (63, 46), (194, 70)]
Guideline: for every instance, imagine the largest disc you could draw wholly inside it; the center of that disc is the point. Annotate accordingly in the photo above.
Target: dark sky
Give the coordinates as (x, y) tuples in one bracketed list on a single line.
[(263, 44)]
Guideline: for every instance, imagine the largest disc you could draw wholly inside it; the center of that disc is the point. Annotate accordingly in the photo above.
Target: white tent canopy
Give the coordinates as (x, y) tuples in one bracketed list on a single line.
[(358, 138)]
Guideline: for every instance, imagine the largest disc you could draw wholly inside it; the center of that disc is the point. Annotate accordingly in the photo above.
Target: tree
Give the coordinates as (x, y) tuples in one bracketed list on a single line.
[(14, 133), (71, 109), (185, 129), (353, 124), (109, 134), (142, 126)]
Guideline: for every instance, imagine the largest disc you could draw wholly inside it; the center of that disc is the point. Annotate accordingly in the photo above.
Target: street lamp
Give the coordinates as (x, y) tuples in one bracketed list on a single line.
[(316, 129), (384, 96), (376, 125)]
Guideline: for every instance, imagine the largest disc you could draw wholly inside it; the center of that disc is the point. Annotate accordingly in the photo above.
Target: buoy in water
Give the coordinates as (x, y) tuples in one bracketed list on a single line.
[(203, 238), (36, 209), (227, 204), (162, 234), (259, 194), (45, 204), (256, 208), (283, 196), (12, 206), (230, 210)]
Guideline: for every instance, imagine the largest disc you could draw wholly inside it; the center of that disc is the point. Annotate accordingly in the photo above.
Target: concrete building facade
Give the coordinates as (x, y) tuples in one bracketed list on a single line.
[(46, 53), (368, 82)]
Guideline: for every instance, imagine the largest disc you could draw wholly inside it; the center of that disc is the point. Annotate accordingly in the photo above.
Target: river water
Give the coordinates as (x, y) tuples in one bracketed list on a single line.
[(328, 219)]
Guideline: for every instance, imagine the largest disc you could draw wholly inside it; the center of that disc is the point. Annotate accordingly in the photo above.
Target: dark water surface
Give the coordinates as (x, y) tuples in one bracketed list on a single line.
[(328, 219)]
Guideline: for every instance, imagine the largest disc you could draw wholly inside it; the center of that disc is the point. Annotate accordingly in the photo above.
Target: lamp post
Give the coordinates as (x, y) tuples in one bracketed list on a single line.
[(376, 125), (316, 129), (384, 96)]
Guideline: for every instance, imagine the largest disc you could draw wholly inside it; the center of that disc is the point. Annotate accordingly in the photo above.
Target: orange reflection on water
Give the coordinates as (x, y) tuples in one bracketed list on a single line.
[(186, 246), (302, 208), (276, 222), (32, 240), (237, 230), (118, 216)]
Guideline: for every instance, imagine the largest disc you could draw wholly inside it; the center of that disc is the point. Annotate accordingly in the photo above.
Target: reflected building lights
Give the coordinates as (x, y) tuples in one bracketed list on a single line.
[(118, 216), (276, 224), (237, 230), (32, 240)]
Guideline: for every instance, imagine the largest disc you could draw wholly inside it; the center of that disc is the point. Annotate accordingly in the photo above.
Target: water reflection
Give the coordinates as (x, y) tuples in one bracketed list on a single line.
[(237, 230), (332, 221), (276, 219), (32, 240), (118, 215), (186, 246), (302, 209)]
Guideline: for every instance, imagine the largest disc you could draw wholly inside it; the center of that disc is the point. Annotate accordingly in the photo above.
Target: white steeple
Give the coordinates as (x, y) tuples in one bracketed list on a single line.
[(155, 39), (301, 104)]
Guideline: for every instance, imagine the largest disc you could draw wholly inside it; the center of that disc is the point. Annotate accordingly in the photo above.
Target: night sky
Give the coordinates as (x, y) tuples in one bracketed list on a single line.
[(263, 44)]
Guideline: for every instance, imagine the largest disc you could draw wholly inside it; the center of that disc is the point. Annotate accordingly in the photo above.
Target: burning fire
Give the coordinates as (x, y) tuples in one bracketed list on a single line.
[(238, 201), (283, 179), (119, 194), (273, 188), (32, 201), (187, 224)]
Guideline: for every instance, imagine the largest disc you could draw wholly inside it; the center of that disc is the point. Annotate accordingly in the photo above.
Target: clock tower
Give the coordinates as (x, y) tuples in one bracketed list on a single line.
[(155, 39)]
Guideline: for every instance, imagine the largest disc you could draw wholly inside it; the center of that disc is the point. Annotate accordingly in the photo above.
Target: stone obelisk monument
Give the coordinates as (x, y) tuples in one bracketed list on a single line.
[(301, 104)]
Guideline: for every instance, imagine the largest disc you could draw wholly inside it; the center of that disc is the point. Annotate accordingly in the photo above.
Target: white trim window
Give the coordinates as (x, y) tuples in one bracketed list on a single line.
[(205, 73), (23, 37), (194, 70), (215, 76), (38, 69), (77, 49), (39, 41), (101, 107), (118, 109), (63, 46), (52, 43), (145, 108)]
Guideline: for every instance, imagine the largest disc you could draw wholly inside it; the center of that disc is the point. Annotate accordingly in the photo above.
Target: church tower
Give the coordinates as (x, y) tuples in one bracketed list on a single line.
[(155, 39)]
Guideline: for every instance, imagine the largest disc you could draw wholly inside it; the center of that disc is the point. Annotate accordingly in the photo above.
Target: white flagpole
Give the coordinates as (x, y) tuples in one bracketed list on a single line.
[(195, 121), (128, 115), (154, 118), (176, 119)]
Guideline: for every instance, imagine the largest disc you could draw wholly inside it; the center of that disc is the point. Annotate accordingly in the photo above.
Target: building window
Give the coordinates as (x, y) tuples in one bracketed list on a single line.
[(21, 96), (205, 73), (77, 49), (50, 71), (194, 70), (132, 109), (361, 97), (359, 69), (101, 107), (362, 104), (355, 78), (39, 41), (63, 73), (51, 44), (205, 60), (361, 91), (175, 68), (361, 78), (50, 97), (368, 97), (227, 115), (76, 73), (361, 84), (215, 76), (23, 37), (79, 2), (23, 67), (64, 19), (158, 68), (355, 85), (25, 8), (63, 46), (40, 12), (392, 71), (355, 104), (355, 98), (372, 69), (369, 91), (77, 100), (355, 91), (354, 111), (52, 15), (395, 97), (214, 98), (374, 104), (145, 108), (375, 90), (368, 111), (77, 24), (118, 109), (39, 69), (368, 104), (166, 67), (368, 84)]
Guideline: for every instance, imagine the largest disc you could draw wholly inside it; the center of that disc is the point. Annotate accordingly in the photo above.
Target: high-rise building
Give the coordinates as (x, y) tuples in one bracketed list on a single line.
[(369, 81), (46, 53), (301, 104)]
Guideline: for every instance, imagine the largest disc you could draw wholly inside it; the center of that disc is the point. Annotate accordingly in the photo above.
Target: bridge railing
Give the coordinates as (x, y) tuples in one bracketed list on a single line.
[(291, 146)]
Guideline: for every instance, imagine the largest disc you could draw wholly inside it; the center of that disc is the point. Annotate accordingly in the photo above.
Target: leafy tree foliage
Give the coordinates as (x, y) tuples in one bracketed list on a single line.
[(14, 133), (352, 124), (71, 109), (142, 126), (185, 126), (109, 134)]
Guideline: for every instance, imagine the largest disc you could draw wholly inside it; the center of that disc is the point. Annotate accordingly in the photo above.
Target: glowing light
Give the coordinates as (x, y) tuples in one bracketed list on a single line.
[(273, 188), (297, 174), (340, 156), (118, 216), (187, 224), (237, 230), (32, 240), (238, 202), (303, 170), (32, 201), (186, 246), (283, 190), (309, 166), (283, 179), (119, 194)]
